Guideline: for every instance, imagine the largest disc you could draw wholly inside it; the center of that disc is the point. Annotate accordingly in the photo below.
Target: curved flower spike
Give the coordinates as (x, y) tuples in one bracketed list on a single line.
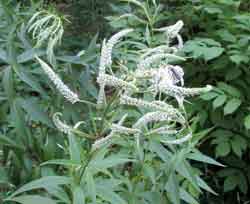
[(173, 30), (146, 63), (106, 140), (61, 87), (113, 40), (60, 125), (115, 82), (178, 141), (156, 116)]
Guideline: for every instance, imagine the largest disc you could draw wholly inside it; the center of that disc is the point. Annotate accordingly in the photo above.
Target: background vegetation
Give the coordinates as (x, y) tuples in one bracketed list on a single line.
[(217, 42)]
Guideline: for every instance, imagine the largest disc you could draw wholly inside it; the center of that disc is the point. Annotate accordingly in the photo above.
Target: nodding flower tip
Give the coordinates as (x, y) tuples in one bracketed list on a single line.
[(59, 84)]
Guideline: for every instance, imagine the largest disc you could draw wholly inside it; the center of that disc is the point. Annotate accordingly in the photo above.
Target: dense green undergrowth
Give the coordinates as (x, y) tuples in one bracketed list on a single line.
[(216, 35)]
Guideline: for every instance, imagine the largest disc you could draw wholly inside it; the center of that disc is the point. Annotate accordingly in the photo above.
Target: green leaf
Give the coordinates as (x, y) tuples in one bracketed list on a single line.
[(213, 52), (91, 187), (232, 91), (42, 183), (233, 73), (172, 187), (3, 56), (222, 149), (239, 144), (231, 106), (198, 156), (29, 79), (31, 199), (9, 142), (230, 183), (208, 96), (64, 162), (187, 197), (35, 111), (226, 35), (204, 185), (238, 59), (219, 101), (247, 122), (242, 183), (78, 196), (29, 55), (74, 149), (8, 83), (110, 161), (109, 195)]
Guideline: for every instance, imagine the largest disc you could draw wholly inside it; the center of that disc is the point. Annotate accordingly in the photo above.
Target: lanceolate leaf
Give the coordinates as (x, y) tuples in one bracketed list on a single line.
[(42, 183)]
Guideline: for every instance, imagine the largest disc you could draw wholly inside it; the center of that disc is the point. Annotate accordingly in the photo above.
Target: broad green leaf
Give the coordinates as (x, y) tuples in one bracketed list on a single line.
[(226, 35), (213, 52), (208, 96), (247, 122), (219, 101), (78, 196), (231, 106), (233, 73), (213, 10), (232, 91), (238, 59), (242, 183), (222, 149), (230, 183), (239, 144), (42, 183), (31, 199)]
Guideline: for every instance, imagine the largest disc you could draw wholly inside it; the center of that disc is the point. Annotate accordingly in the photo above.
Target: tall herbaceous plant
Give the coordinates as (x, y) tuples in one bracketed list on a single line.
[(142, 154)]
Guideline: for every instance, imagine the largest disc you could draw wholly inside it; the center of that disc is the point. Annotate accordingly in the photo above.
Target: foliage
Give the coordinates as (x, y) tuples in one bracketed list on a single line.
[(40, 163)]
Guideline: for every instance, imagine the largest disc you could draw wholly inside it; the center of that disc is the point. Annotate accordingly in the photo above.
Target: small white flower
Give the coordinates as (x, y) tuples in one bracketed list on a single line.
[(124, 130), (115, 82), (156, 116), (106, 140), (60, 125), (114, 40), (178, 141), (173, 30), (61, 87), (146, 63)]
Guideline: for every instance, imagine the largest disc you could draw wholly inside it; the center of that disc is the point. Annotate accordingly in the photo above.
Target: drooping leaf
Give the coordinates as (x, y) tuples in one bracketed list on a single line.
[(42, 183)]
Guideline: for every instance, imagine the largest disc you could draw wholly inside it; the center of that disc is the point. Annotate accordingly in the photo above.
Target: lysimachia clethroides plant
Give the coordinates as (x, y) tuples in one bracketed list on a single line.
[(138, 159)]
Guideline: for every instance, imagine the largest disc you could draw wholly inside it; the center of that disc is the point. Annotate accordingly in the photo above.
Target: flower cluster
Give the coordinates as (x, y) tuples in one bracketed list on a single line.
[(153, 74), (159, 76)]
